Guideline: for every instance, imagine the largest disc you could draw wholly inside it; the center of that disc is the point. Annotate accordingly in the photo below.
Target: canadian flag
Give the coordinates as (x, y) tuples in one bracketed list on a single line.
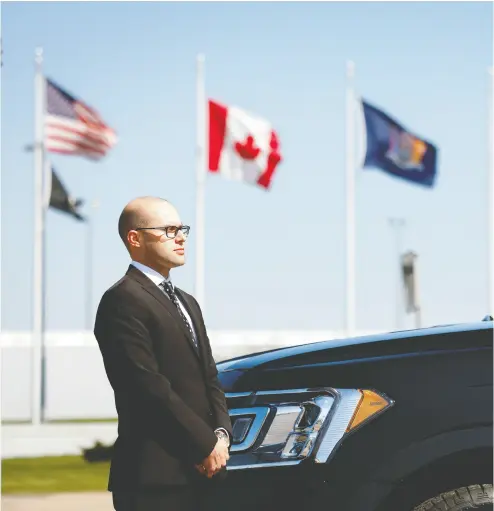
[(242, 146)]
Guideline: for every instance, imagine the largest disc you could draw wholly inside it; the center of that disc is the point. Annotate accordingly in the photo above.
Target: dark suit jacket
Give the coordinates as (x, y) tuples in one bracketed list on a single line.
[(167, 395)]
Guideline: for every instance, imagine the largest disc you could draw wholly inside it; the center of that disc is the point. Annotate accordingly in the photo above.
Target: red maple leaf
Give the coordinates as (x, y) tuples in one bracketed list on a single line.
[(247, 150)]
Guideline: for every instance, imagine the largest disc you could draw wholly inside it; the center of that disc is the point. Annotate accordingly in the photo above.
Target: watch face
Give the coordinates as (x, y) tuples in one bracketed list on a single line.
[(221, 434)]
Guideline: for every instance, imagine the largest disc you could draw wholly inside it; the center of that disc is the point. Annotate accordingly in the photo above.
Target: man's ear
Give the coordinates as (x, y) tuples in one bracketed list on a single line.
[(133, 239)]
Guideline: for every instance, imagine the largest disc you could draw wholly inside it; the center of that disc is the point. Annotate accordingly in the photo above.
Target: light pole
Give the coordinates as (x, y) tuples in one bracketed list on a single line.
[(490, 195), (89, 264), (398, 225)]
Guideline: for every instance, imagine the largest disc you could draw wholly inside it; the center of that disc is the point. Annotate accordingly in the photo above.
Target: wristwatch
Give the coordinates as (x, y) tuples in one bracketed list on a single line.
[(223, 436)]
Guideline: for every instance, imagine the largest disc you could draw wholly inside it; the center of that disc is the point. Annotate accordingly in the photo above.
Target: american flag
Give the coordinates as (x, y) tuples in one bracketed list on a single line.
[(72, 127)]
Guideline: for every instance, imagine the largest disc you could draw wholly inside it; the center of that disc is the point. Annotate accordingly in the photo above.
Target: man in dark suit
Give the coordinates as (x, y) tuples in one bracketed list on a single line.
[(174, 430)]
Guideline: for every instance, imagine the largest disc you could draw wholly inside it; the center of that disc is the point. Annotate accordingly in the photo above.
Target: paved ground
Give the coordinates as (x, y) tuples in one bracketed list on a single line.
[(59, 502)]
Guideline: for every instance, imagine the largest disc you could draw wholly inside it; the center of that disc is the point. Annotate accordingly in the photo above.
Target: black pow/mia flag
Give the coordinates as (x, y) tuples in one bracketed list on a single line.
[(61, 200)]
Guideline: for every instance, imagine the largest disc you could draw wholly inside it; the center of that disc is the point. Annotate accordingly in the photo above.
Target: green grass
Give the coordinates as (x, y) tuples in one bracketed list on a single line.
[(53, 474)]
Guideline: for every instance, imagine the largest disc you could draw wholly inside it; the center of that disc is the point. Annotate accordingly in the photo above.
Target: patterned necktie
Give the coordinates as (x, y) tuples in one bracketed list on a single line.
[(168, 288)]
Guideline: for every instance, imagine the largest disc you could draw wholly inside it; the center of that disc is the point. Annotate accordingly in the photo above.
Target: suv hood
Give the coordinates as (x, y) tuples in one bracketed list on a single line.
[(442, 338)]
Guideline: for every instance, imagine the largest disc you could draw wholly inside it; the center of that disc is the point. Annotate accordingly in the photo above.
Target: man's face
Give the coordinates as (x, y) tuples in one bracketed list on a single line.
[(160, 245)]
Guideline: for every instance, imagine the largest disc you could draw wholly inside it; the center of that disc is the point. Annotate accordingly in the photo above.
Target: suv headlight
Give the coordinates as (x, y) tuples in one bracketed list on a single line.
[(286, 427)]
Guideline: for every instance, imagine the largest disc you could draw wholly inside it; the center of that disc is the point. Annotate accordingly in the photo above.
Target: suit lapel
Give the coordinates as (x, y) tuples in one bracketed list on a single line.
[(170, 307), (195, 316), (195, 321)]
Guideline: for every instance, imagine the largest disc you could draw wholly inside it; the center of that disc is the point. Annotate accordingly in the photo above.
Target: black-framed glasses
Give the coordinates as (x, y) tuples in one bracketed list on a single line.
[(170, 230)]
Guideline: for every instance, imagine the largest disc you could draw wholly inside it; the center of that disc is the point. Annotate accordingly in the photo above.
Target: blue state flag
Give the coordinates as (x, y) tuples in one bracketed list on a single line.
[(396, 151)]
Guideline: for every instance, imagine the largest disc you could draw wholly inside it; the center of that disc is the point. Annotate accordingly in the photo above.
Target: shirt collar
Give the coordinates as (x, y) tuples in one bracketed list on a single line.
[(151, 274)]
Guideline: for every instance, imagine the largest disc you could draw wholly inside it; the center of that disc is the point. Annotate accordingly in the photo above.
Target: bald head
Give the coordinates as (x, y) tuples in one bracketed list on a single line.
[(140, 212), (153, 233)]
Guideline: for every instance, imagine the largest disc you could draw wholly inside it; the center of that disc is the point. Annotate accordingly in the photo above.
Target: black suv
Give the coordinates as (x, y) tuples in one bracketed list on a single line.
[(392, 422)]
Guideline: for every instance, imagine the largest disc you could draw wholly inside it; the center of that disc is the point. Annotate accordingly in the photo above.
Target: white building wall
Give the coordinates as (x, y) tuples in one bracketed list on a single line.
[(77, 386)]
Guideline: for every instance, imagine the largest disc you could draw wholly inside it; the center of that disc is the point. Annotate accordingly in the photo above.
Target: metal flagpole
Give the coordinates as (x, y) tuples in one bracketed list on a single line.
[(350, 199), (89, 271), (89, 264), (490, 197), (200, 182), (38, 355)]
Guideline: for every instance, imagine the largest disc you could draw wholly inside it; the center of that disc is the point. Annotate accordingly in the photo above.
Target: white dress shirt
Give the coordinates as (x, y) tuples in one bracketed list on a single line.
[(157, 279)]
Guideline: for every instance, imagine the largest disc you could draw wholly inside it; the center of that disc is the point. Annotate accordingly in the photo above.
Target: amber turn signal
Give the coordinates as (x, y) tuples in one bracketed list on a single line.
[(370, 404)]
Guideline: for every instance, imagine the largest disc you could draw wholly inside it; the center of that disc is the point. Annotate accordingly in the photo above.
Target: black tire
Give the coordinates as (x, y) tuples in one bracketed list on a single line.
[(477, 496)]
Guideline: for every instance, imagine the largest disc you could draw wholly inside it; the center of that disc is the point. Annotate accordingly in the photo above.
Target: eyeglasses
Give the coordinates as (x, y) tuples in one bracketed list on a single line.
[(170, 230)]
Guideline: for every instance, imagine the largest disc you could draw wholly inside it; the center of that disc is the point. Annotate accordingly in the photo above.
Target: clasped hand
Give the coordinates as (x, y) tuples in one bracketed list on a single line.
[(216, 460)]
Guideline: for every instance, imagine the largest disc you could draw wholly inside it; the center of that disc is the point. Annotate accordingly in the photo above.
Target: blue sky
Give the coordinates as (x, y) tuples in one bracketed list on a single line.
[(274, 260)]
